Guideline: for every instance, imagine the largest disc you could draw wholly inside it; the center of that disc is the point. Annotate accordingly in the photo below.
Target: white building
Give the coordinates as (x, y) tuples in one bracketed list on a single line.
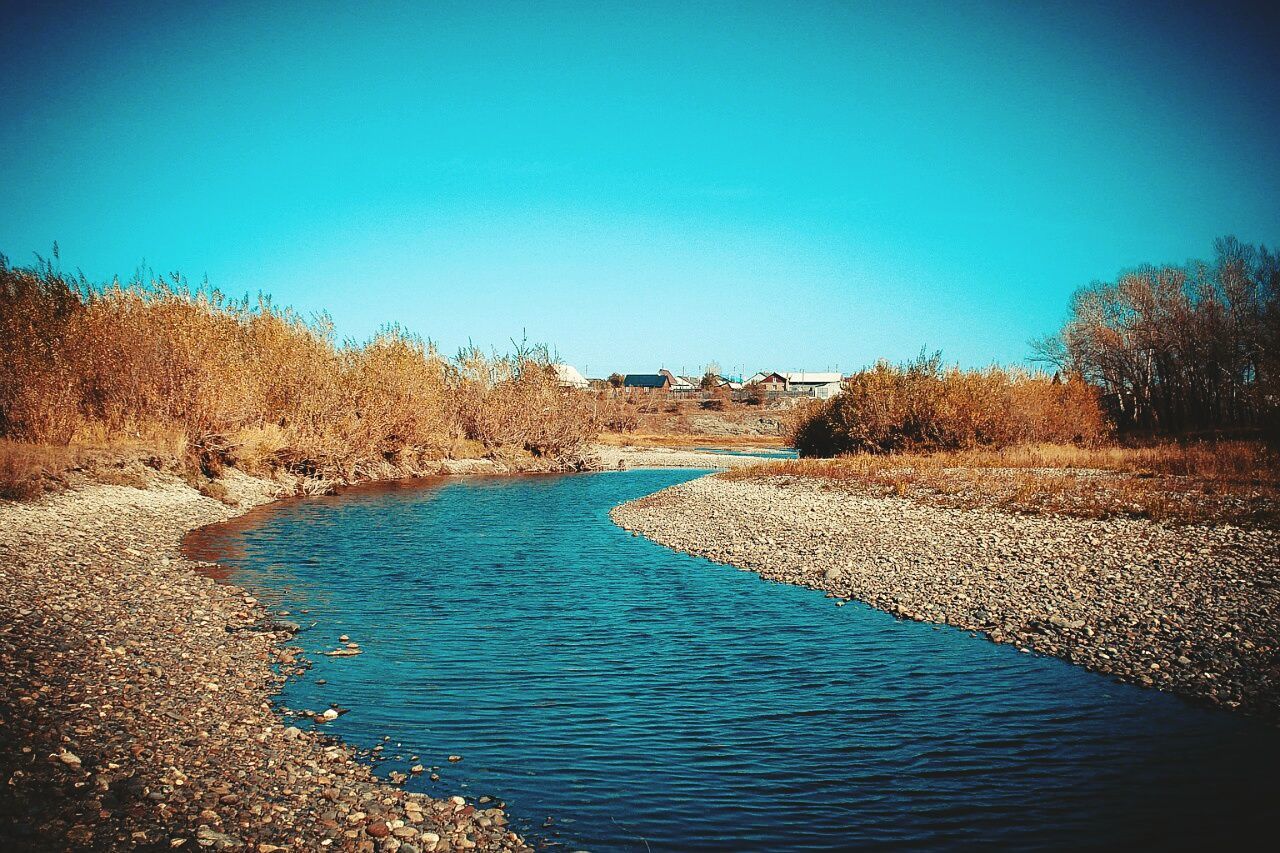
[(678, 383), (820, 385), (568, 376)]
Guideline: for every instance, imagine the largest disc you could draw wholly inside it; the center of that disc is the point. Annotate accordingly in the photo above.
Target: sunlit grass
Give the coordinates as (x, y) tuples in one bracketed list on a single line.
[(1229, 481)]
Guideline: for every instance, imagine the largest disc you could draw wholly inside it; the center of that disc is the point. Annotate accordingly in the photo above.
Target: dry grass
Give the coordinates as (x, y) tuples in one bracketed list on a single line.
[(1223, 482), (662, 420), (689, 439), (28, 471), (246, 383)]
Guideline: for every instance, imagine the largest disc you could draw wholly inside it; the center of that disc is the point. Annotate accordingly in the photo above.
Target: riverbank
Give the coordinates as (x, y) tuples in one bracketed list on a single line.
[(135, 696), (1191, 609)]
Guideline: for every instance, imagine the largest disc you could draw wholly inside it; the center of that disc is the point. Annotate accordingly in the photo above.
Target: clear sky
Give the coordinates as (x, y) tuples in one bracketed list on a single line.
[(771, 185)]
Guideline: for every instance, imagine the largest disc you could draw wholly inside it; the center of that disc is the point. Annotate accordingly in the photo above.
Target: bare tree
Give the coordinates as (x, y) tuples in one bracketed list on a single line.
[(1179, 348)]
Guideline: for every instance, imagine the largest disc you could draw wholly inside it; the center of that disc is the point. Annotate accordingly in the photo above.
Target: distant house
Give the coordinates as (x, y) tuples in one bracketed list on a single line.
[(646, 382), (820, 385), (773, 383), (679, 383), (568, 376)]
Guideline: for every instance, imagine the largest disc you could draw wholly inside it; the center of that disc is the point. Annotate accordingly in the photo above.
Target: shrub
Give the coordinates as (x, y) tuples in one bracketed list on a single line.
[(922, 406), (619, 414)]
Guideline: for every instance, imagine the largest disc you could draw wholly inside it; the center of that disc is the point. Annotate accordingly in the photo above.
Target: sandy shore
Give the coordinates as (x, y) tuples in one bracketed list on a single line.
[(134, 698), (1195, 610)]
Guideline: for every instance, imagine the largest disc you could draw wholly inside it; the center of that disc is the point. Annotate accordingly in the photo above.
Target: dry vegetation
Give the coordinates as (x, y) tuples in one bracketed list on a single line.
[(1234, 482), (1167, 350), (219, 382), (1181, 348), (921, 406), (665, 420), (690, 439)]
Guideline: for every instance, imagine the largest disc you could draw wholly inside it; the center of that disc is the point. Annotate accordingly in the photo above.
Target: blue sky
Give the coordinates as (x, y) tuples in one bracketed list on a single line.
[(792, 186)]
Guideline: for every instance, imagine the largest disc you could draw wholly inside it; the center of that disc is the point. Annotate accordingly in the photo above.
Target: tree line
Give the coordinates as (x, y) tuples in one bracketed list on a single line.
[(1178, 349)]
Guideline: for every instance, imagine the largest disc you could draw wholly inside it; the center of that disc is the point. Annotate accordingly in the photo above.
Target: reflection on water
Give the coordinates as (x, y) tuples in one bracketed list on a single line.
[(642, 699)]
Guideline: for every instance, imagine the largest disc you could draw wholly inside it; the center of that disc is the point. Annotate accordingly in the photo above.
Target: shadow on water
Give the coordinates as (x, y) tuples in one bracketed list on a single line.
[(619, 696)]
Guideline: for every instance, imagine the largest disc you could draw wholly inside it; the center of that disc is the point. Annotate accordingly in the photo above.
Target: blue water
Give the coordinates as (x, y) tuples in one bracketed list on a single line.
[(642, 699), (763, 453)]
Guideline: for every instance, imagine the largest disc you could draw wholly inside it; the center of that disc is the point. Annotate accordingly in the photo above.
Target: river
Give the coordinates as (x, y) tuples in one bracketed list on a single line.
[(620, 696)]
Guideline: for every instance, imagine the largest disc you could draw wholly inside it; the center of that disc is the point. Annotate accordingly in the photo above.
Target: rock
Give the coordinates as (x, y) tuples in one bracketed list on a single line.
[(207, 837)]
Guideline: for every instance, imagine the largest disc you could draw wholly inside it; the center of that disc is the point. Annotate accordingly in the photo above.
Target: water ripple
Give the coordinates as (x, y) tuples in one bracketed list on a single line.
[(642, 698)]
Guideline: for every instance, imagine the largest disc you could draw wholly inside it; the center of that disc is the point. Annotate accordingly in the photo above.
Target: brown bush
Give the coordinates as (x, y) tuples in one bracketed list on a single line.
[(618, 414), (248, 383), (922, 406)]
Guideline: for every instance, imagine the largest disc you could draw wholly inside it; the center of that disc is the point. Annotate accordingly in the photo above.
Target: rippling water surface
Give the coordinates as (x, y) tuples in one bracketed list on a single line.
[(642, 699)]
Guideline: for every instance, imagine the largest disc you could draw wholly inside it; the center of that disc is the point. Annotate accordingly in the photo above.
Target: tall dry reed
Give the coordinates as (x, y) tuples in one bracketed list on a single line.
[(248, 383)]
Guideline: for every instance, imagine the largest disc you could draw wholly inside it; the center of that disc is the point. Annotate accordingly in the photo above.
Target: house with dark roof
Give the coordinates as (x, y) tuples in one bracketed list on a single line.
[(646, 382)]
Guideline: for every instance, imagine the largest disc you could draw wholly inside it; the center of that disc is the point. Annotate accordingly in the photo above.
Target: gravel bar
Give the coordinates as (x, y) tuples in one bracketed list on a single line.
[(135, 693), (1189, 609)]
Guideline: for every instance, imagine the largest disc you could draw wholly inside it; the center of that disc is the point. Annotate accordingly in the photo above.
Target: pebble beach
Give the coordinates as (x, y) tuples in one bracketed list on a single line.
[(135, 698)]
